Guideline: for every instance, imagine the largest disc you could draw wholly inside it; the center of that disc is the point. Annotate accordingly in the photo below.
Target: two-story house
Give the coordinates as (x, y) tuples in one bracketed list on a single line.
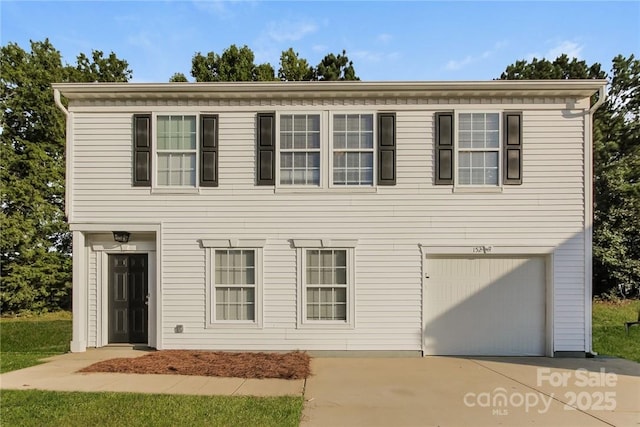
[(448, 218)]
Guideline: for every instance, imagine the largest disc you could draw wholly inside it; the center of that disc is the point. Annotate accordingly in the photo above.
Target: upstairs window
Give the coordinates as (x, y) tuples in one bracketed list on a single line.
[(326, 150), (300, 149), (478, 149), (353, 149), (176, 151)]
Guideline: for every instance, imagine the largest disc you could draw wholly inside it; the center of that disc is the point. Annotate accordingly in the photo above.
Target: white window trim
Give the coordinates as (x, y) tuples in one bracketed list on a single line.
[(374, 150), (168, 189), (321, 150), (326, 154), (302, 245), (210, 246), (472, 188)]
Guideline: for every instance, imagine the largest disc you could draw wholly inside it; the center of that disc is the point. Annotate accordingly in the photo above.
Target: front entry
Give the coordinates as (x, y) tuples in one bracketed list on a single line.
[(128, 298)]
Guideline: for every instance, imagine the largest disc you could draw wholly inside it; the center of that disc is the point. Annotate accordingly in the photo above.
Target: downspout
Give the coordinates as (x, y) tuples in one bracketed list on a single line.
[(588, 205), (78, 290), (56, 98), (68, 153), (601, 97), (423, 293)]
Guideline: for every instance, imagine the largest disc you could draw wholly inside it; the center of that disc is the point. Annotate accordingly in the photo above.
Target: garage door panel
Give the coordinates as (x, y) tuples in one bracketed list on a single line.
[(485, 306)]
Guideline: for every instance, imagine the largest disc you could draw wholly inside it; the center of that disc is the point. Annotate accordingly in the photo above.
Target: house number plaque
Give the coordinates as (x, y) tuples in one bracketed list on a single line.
[(482, 249)]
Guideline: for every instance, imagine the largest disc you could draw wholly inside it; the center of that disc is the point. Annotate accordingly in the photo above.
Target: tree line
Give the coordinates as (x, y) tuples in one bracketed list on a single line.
[(35, 243), (237, 65)]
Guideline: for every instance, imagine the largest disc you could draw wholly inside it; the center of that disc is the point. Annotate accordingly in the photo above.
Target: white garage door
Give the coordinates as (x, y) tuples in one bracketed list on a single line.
[(484, 306)]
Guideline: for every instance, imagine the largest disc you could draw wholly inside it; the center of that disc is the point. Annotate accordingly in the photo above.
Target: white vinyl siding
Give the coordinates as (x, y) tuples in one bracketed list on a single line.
[(389, 222)]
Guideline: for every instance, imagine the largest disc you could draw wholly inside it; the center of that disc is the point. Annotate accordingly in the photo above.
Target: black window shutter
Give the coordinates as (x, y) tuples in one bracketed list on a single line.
[(142, 150), (266, 150), (444, 149), (512, 149), (209, 150), (387, 149)]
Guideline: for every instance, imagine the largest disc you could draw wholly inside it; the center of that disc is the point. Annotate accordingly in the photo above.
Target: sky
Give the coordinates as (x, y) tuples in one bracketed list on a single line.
[(386, 40)]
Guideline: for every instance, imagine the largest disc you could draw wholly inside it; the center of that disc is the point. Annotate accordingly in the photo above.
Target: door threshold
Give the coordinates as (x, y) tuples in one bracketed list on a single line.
[(132, 346)]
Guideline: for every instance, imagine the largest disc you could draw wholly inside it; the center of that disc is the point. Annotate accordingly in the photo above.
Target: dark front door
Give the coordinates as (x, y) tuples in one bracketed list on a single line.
[(128, 288)]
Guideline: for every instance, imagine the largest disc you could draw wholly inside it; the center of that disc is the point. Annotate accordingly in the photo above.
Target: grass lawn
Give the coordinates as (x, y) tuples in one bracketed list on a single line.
[(47, 408), (26, 340), (609, 335)]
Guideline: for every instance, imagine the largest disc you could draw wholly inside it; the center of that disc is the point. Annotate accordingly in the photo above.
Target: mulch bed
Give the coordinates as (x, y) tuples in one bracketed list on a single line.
[(290, 366)]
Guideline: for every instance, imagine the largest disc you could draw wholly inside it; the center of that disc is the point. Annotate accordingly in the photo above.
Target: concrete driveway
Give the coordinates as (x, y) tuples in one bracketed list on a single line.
[(430, 391), (448, 391)]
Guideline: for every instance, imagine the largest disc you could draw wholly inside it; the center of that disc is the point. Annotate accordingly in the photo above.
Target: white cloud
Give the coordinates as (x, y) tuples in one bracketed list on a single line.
[(214, 7), (470, 59), (456, 65), (141, 39), (287, 31), (384, 38), (127, 19), (571, 49), (367, 55), (373, 56)]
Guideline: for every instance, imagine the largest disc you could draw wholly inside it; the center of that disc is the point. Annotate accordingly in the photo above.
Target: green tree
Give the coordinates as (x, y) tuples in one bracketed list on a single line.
[(237, 65), (99, 69), (294, 68), (616, 249), (35, 263), (616, 138), (234, 65), (34, 247), (264, 73), (560, 68), (334, 67), (205, 68), (178, 78)]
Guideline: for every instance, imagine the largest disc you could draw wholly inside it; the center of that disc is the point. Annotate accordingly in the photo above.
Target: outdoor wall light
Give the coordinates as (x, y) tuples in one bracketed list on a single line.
[(121, 236)]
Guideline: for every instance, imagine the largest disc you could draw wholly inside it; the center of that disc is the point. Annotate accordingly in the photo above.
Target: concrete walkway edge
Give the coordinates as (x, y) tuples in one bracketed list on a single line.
[(430, 391)]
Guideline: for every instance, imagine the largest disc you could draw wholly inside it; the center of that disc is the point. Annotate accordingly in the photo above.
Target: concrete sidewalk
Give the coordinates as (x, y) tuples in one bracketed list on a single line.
[(449, 391), (431, 391), (60, 374)]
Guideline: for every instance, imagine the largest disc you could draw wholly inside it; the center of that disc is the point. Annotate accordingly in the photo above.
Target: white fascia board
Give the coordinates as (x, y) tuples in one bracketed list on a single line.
[(256, 90)]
